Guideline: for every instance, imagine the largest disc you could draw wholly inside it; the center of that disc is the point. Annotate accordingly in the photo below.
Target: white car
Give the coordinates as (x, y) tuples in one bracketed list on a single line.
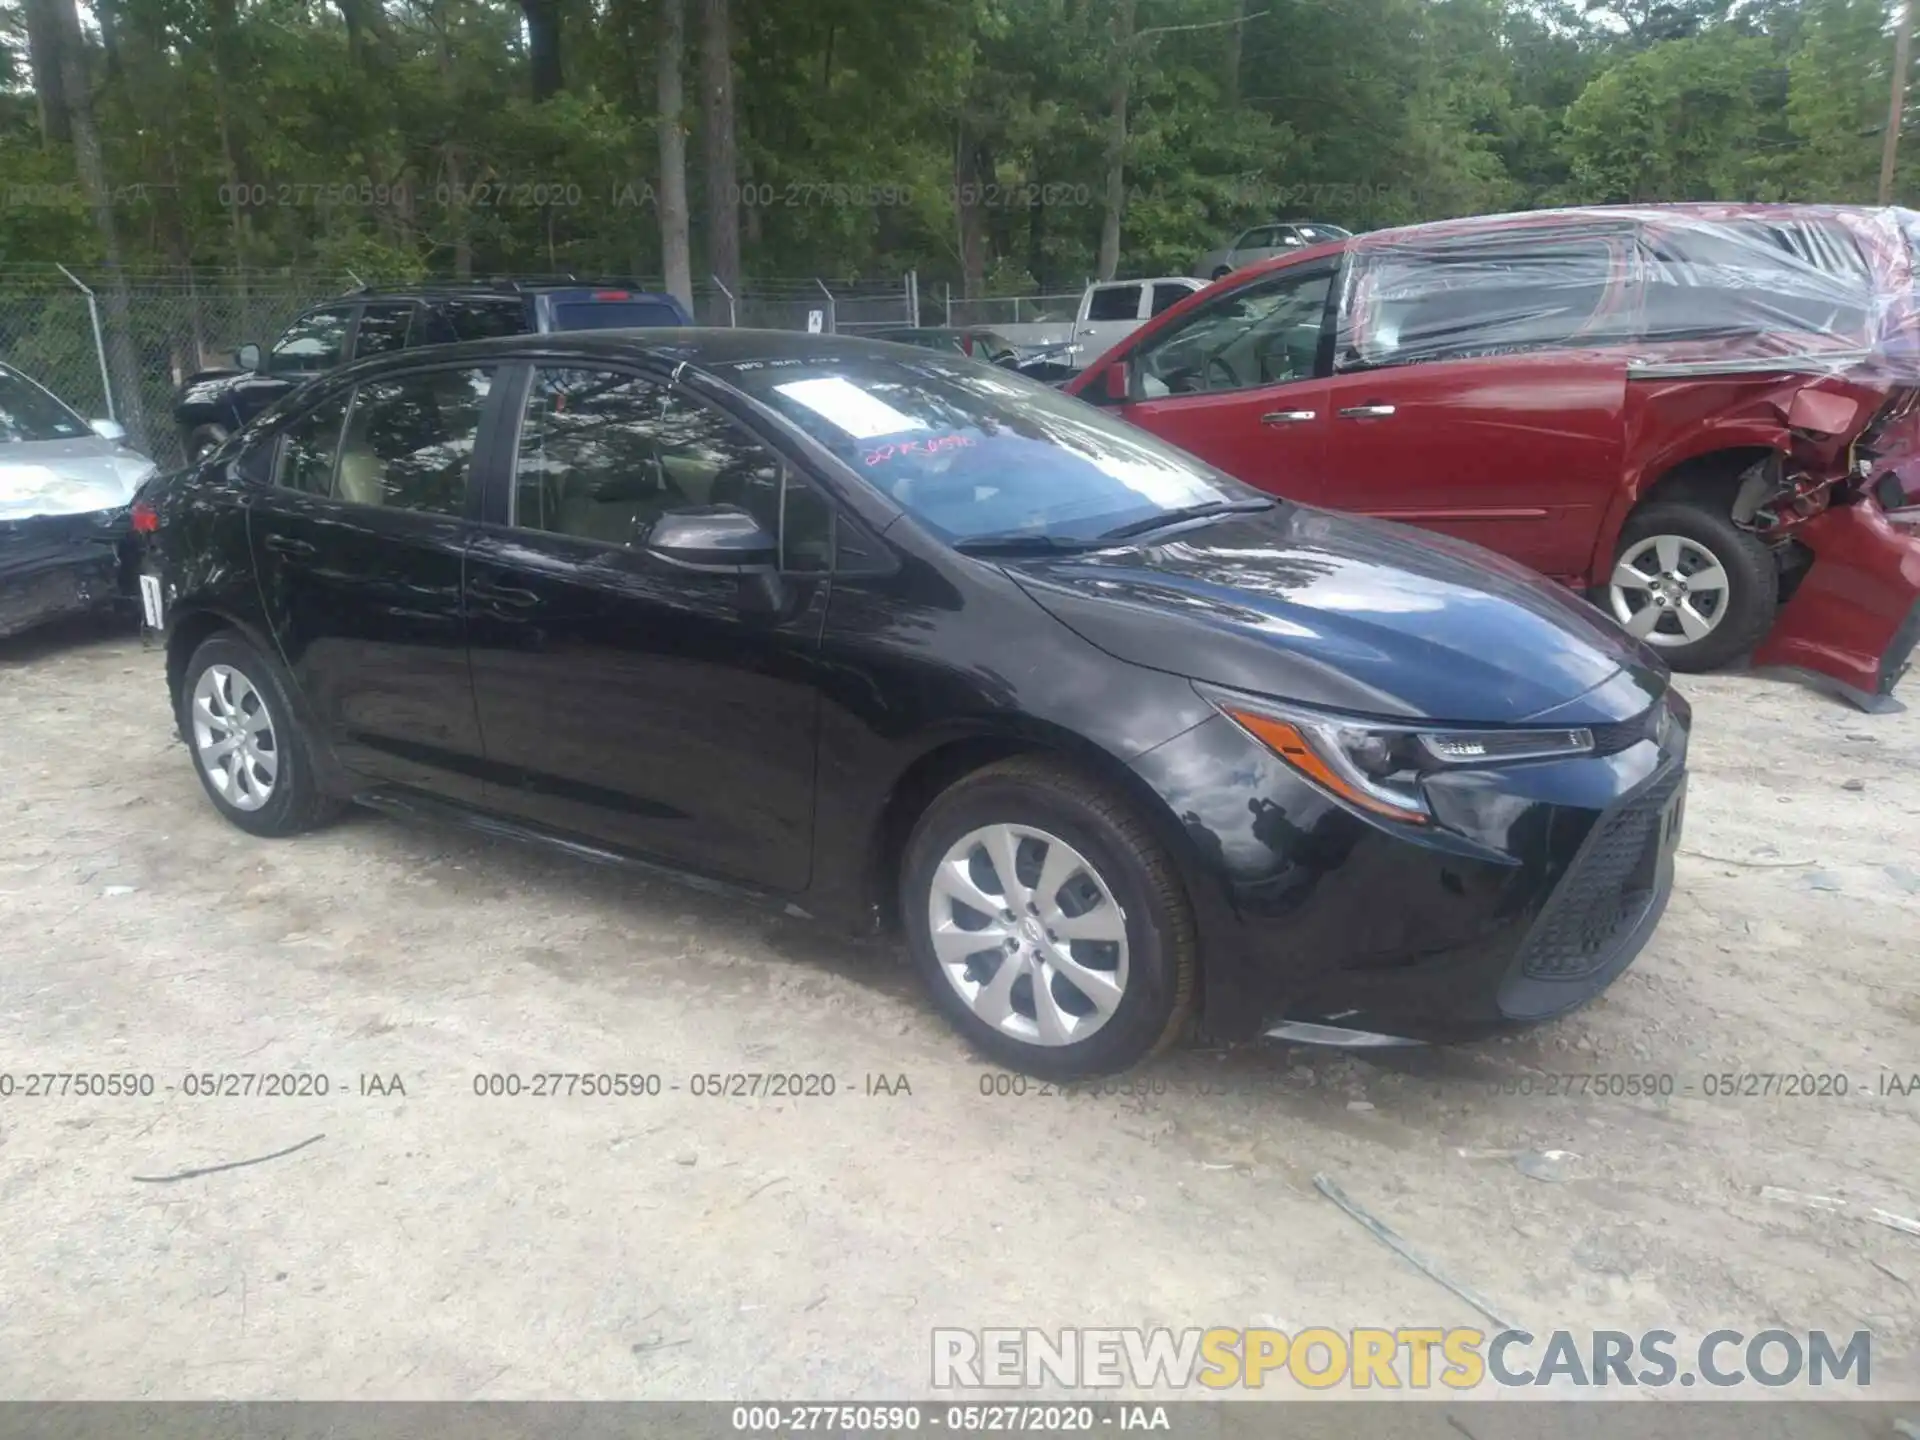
[(1263, 242), (65, 487)]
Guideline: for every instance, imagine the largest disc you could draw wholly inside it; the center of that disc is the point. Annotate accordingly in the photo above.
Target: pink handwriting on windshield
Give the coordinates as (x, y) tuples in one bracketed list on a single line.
[(896, 449)]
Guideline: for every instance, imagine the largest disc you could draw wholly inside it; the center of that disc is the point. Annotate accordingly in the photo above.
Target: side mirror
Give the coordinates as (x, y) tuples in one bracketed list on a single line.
[(1110, 388), (247, 357), (723, 539), (109, 429)]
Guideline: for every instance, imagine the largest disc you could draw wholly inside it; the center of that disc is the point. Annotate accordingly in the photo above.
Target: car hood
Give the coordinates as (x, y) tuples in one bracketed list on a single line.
[(68, 477), (1351, 614)]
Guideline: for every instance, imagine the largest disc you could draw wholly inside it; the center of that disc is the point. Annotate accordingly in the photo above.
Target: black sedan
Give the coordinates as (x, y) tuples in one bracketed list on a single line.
[(899, 637)]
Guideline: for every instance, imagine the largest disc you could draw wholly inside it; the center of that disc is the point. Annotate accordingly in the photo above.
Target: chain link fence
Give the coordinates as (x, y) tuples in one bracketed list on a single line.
[(180, 322)]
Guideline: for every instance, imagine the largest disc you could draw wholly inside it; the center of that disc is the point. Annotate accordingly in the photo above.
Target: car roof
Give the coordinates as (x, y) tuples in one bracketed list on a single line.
[(702, 347), (504, 288)]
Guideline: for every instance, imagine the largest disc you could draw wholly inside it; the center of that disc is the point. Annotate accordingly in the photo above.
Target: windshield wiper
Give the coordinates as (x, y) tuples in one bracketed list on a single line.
[(1021, 542), (1185, 512)]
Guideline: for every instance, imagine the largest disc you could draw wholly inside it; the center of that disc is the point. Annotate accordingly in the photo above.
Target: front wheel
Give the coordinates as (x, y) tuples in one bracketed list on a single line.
[(1048, 923), (1692, 584)]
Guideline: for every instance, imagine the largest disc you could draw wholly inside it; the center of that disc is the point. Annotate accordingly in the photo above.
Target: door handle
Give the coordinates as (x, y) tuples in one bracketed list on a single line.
[(503, 594), (287, 545), (1287, 417), (1366, 412)]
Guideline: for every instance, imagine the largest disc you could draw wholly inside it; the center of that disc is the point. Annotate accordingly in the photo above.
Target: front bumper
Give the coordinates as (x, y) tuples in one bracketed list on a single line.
[(1535, 889), (54, 565)]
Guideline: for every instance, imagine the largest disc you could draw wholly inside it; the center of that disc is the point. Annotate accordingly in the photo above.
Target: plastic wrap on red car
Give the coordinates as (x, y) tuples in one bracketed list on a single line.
[(1696, 290)]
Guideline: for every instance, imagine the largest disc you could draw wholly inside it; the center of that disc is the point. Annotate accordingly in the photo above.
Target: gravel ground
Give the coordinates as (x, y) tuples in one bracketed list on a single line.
[(441, 1244)]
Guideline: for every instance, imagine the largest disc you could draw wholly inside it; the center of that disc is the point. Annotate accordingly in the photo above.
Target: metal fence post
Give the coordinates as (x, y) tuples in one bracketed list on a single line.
[(949, 286), (731, 320), (913, 298), (833, 324), (99, 341)]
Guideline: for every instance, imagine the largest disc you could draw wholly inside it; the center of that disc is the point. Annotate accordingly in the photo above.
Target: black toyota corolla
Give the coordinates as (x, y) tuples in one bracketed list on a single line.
[(895, 637)]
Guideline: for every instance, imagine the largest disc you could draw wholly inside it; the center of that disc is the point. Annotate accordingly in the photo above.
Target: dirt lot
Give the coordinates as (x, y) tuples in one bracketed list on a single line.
[(442, 1244)]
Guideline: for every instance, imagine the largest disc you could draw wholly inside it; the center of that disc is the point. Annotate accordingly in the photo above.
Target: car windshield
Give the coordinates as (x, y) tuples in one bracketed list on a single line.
[(976, 451), (29, 413)]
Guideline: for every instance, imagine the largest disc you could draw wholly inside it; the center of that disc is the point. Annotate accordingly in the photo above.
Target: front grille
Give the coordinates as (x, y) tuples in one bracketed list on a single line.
[(1604, 892)]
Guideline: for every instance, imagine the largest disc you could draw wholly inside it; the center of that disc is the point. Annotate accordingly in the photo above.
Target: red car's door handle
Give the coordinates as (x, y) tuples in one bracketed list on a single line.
[(1366, 412), (1287, 417)]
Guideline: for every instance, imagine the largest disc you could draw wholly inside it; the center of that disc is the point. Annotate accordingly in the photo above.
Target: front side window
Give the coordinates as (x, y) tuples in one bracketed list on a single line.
[(976, 450), (1114, 302), (604, 454), (29, 413), (1455, 299), (312, 442), (383, 329), (313, 342), (1265, 333), (410, 439)]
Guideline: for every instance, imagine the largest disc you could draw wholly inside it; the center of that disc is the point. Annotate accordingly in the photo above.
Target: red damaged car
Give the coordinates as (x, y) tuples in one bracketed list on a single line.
[(1693, 414)]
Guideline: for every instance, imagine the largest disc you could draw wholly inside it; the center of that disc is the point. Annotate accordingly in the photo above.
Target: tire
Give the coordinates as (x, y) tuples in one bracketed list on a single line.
[(1744, 609), (291, 800), (202, 440), (1115, 880)]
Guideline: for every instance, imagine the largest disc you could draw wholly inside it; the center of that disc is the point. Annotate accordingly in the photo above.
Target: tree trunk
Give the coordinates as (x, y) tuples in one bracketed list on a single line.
[(122, 361), (543, 46), (1116, 206), (723, 181), (970, 210), (675, 250), (43, 50)]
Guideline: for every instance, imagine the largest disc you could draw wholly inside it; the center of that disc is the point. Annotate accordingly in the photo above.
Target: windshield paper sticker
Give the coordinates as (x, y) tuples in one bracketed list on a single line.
[(847, 406)]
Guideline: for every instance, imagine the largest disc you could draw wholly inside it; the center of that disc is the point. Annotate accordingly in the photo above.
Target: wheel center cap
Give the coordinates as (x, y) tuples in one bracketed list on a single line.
[(1032, 932)]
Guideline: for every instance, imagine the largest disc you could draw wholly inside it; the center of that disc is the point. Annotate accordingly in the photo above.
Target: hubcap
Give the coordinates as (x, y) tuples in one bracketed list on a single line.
[(1668, 590), (233, 737), (1028, 934)]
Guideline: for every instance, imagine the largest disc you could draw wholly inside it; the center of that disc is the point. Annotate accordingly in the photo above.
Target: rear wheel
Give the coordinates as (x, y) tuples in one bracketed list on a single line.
[(252, 757), (1048, 922), (1694, 585)]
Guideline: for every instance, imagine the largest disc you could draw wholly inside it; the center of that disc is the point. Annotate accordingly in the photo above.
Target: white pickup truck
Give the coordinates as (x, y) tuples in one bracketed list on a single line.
[(1108, 310)]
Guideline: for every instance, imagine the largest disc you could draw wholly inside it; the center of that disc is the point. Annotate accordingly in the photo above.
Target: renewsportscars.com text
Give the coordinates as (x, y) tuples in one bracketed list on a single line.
[(1406, 1357)]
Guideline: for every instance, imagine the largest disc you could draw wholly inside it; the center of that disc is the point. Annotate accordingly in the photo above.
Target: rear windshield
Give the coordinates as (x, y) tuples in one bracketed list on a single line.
[(612, 314), (29, 413), (974, 450)]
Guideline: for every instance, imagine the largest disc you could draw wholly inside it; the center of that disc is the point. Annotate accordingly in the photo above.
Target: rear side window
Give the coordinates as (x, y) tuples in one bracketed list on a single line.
[(1486, 295), (383, 329), (1753, 277), (1114, 302), (473, 319), (409, 441), (312, 442), (1165, 297)]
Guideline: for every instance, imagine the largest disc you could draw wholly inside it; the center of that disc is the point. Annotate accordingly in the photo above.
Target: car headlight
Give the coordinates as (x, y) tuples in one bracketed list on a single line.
[(1378, 765)]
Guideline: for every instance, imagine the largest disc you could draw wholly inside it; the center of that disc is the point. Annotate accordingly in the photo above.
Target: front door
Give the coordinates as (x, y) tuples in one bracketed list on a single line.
[(359, 547), (626, 699), (1240, 382)]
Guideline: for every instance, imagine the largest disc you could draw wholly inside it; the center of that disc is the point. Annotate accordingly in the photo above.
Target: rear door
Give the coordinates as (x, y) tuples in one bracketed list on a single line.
[(1240, 381), (1473, 396), (624, 698), (360, 546)]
